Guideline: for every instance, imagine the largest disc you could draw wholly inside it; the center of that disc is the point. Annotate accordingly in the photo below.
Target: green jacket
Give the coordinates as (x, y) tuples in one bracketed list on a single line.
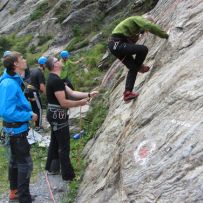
[(133, 26), (66, 71)]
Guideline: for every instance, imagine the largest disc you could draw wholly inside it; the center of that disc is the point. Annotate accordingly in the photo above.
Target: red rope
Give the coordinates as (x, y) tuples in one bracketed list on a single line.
[(49, 186)]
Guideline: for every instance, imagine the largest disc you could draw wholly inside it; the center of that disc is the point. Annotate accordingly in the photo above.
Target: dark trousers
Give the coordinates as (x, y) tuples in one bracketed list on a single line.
[(20, 167), (124, 51), (37, 108), (59, 148)]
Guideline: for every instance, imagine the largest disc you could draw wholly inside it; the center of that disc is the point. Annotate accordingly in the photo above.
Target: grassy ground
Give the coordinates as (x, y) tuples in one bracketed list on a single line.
[(39, 155), (3, 170)]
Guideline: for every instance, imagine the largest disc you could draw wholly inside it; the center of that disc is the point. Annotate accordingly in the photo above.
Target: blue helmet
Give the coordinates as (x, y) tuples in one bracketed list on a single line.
[(6, 53), (64, 54), (42, 60)]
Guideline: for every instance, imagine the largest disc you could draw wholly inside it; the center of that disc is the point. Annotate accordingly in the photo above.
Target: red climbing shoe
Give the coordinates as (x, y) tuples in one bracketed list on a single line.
[(144, 69), (13, 195), (128, 95)]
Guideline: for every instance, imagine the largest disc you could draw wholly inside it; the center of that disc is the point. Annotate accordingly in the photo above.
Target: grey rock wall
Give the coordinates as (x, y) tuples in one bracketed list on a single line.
[(151, 150), (15, 17)]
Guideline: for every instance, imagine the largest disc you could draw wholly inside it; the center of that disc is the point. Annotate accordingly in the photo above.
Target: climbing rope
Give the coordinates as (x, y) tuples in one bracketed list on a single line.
[(78, 157), (49, 186)]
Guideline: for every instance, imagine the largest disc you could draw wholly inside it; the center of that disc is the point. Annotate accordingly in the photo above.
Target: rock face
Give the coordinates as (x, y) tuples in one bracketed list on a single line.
[(15, 15), (60, 18), (151, 150)]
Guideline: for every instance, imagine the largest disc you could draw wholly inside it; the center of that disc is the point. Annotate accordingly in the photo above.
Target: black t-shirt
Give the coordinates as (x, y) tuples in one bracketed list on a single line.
[(36, 78), (54, 84)]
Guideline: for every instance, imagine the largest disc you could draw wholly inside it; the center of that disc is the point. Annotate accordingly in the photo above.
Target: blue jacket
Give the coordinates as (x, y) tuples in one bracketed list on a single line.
[(14, 107)]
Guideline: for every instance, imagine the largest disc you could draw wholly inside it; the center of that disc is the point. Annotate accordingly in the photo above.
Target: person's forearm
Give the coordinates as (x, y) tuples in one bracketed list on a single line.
[(156, 30), (80, 95), (69, 103)]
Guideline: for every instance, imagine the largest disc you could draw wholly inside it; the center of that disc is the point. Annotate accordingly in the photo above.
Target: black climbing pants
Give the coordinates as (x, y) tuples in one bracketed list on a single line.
[(124, 50), (20, 167), (59, 148)]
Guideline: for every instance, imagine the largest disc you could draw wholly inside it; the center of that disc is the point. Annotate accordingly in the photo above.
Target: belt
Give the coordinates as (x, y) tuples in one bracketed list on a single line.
[(55, 106), (13, 124), (19, 135), (118, 37)]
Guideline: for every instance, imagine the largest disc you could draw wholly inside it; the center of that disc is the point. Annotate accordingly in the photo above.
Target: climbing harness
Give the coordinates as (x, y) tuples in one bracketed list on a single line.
[(5, 141), (58, 114), (4, 138), (115, 45)]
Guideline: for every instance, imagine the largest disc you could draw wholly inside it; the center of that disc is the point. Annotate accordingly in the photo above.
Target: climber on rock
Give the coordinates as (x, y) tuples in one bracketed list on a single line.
[(123, 45)]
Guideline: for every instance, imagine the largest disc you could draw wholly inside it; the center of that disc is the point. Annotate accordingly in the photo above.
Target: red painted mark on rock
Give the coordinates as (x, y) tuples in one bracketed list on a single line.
[(143, 152)]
